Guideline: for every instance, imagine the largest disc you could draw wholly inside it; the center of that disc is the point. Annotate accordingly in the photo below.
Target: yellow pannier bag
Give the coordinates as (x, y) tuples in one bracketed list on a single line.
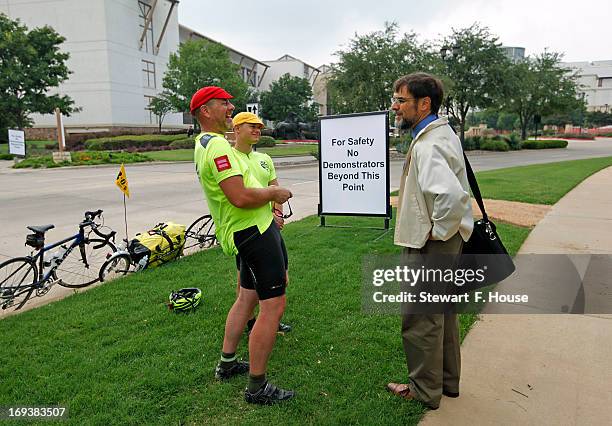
[(159, 245)]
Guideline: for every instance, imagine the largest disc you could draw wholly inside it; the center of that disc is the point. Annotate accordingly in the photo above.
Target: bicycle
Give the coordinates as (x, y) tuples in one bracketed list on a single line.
[(198, 236), (20, 277)]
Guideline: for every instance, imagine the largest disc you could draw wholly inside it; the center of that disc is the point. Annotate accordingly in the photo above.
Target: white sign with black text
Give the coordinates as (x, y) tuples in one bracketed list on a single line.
[(17, 142), (353, 164)]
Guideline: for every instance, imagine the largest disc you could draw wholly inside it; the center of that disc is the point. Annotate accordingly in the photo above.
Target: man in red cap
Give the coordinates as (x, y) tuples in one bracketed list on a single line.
[(240, 208)]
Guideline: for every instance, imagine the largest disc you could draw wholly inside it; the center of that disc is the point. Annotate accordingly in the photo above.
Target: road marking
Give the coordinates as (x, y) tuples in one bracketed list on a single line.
[(303, 183)]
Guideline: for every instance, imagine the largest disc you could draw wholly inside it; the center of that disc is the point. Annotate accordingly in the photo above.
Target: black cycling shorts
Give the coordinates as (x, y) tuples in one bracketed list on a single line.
[(263, 261)]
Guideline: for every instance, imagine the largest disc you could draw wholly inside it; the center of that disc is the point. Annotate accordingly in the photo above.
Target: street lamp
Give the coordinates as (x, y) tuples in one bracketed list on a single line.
[(454, 51)]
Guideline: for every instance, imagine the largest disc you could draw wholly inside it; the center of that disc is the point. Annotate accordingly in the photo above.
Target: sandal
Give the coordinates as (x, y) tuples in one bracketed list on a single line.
[(400, 389)]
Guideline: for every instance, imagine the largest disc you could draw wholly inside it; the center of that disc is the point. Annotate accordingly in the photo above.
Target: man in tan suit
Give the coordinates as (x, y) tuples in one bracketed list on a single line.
[(434, 217)]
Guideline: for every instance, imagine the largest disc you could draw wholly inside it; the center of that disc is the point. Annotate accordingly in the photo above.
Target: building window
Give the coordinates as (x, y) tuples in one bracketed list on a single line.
[(148, 41), (148, 74), (249, 77), (306, 73), (150, 117)]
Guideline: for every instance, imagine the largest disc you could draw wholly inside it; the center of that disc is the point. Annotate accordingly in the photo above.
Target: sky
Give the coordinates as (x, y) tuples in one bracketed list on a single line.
[(313, 30)]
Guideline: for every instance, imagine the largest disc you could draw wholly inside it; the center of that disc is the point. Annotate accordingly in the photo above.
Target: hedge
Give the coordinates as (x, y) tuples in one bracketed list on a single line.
[(130, 141), (266, 141), (186, 143), (587, 136), (494, 145), (544, 144)]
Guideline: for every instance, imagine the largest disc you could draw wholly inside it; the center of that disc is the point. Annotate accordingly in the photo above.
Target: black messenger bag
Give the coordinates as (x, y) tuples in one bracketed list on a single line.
[(484, 250)]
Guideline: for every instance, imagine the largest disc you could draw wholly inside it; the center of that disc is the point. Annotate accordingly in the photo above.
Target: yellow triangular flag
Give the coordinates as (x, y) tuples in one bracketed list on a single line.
[(122, 181)]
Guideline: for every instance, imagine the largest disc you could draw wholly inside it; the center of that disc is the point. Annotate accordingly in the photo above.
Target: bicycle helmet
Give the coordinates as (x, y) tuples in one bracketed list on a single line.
[(185, 299)]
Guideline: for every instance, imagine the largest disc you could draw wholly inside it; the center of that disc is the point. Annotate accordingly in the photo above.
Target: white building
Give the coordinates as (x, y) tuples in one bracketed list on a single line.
[(287, 64), (595, 82), (119, 51)]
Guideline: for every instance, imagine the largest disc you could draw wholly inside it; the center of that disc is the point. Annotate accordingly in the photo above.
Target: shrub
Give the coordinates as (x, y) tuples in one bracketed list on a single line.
[(604, 135), (315, 154), (402, 147), (130, 141), (6, 156), (84, 158), (544, 144), (494, 145), (472, 142), (266, 141), (314, 136), (182, 143), (514, 141), (586, 136)]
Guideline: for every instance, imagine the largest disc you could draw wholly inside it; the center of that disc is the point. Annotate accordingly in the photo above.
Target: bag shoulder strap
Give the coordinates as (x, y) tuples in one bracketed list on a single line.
[(474, 187)]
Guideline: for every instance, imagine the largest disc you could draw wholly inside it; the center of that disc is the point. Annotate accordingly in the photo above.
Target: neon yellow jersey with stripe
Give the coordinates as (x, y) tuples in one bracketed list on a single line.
[(216, 161)]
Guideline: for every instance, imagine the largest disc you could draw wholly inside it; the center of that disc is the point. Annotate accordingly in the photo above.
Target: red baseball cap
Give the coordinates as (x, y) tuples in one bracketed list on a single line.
[(205, 94)]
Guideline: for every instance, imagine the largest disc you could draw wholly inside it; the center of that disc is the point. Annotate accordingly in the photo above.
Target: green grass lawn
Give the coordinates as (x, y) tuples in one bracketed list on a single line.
[(277, 151), (538, 183), (116, 355), (32, 147)]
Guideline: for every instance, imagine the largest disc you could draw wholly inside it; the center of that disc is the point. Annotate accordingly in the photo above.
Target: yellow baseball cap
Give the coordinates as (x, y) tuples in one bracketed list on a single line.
[(246, 117)]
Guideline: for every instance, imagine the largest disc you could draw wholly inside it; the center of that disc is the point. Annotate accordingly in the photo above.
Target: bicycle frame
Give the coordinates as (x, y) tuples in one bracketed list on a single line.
[(43, 277)]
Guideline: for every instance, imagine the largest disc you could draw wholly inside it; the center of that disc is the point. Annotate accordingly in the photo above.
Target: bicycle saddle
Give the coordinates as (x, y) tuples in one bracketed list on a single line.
[(40, 229)]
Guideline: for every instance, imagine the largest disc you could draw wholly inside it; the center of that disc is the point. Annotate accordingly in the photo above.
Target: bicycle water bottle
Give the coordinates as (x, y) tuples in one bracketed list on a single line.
[(53, 260)]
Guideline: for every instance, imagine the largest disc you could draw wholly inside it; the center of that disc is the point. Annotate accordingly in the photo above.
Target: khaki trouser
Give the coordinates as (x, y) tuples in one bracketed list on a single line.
[(431, 341)]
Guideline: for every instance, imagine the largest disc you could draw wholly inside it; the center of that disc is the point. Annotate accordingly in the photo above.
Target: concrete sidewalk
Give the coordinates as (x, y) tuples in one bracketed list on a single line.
[(543, 369)]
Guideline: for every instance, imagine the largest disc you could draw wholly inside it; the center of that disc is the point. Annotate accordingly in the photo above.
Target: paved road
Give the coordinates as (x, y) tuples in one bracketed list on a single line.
[(170, 192), (164, 191)]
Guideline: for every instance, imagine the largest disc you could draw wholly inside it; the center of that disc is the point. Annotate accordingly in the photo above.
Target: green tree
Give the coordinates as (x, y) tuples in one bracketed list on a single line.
[(200, 63), (288, 94), (362, 80), (506, 121), (598, 118), (30, 65), (540, 86), (476, 67), (161, 105)]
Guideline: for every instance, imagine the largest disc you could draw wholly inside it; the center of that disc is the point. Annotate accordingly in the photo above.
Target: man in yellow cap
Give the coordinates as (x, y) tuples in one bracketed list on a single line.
[(240, 208), (247, 132)]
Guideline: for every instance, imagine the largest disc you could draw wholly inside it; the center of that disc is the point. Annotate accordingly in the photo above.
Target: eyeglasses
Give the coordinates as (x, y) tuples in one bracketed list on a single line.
[(279, 213), (397, 100)]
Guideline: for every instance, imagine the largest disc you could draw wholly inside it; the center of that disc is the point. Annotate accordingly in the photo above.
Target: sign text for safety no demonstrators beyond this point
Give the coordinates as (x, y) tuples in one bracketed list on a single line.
[(353, 164)]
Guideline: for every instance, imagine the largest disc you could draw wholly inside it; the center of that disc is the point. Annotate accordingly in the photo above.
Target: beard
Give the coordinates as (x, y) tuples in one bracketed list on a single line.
[(403, 124)]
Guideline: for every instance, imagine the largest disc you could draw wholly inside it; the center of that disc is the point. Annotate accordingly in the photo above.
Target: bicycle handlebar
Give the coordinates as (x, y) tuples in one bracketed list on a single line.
[(90, 216), (89, 221)]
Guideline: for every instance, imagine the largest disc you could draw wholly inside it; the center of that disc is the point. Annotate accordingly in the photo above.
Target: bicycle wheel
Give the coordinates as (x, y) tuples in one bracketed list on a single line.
[(74, 273), (200, 235), (116, 266), (17, 278)]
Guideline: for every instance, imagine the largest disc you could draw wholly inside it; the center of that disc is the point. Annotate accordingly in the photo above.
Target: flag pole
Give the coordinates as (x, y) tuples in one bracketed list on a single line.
[(127, 238)]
